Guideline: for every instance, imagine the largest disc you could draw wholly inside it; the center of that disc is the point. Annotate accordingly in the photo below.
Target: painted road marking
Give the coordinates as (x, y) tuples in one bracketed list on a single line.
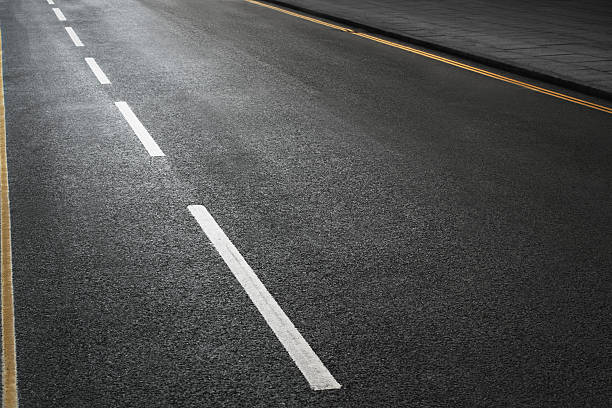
[(139, 129), (317, 375), (50, 2), (9, 360), (444, 60), (74, 37), (95, 68), (302, 16), (59, 14)]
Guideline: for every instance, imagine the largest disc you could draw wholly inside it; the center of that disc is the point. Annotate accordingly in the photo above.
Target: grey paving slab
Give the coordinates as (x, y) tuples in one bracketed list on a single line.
[(579, 31)]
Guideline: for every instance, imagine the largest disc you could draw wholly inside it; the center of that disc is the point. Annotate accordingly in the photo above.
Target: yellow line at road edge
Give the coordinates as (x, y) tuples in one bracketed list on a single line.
[(9, 360), (442, 59), (291, 13)]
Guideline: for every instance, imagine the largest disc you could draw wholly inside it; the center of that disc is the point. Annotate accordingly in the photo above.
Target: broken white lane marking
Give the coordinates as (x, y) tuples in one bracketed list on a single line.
[(59, 14), (317, 375), (74, 37), (50, 2), (97, 71), (139, 129)]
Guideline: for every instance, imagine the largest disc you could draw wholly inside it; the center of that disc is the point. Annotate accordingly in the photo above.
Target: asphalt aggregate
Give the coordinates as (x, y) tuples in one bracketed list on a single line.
[(440, 238)]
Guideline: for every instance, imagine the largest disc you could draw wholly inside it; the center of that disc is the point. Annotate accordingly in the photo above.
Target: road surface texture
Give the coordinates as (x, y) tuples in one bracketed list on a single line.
[(438, 237)]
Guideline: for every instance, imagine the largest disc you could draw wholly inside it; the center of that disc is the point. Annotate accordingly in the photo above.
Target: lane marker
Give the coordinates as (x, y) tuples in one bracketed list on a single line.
[(9, 359), (59, 14), (74, 37), (317, 375), (50, 2), (95, 68), (444, 60), (139, 129), (302, 16)]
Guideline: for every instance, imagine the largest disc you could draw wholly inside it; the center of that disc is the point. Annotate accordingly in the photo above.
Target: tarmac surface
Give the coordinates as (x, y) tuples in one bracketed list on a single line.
[(438, 237)]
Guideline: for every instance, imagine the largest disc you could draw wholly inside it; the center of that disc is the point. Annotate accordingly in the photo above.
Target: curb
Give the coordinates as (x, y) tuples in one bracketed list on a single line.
[(496, 63)]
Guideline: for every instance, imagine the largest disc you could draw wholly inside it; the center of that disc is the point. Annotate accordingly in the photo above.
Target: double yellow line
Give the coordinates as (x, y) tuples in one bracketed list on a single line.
[(9, 359), (444, 60)]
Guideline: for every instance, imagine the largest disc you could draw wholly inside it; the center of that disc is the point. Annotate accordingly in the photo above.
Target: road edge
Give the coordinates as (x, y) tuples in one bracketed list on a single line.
[(539, 75), (9, 354)]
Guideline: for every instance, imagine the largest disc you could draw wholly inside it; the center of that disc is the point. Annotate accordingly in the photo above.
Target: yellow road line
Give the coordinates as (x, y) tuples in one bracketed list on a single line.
[(291, 13), (9, 360), (445, 60)]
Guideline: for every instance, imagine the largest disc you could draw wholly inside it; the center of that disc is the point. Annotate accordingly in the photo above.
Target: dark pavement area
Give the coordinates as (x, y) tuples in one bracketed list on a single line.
[(564, 40), (440, 238)]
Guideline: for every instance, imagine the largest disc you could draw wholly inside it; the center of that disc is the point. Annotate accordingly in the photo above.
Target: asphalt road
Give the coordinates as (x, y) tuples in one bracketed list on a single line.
[(439, 238)]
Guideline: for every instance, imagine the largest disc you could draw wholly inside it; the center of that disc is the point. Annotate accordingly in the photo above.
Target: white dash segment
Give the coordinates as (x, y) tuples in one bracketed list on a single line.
[(139, 129), (59, 14), (97, 71), (74, 37), (317, 375), (50, 2)]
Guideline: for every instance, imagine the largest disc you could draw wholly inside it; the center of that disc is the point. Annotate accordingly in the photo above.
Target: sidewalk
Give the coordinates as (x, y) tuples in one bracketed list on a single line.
[(564, 42)]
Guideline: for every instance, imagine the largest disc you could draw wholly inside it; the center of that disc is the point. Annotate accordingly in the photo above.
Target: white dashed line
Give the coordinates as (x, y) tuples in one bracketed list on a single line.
[(50, 2), (139, 129), (59, 14), (74, 37), (317, 375), (95, 68)]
